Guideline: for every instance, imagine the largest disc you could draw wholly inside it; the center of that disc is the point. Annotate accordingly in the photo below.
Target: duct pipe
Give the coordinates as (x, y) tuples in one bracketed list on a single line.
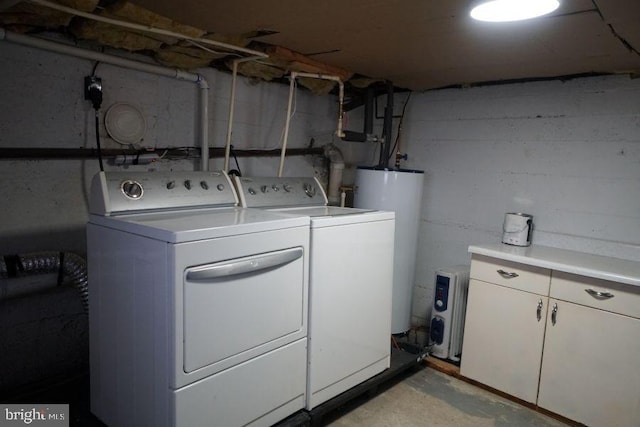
[(292, 78), (66, 264), (130, 64), (336, 169)]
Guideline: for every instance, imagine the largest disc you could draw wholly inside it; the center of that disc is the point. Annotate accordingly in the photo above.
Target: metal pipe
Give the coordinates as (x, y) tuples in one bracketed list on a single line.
[(387, 128), (145, 28), (133, 65), (90, 153)]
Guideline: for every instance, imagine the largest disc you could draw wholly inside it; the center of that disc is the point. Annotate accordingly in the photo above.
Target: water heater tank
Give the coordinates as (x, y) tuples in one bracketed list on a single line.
[(398, 190)]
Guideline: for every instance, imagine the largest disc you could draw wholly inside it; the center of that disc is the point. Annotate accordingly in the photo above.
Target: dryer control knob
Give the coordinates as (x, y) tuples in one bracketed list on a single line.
[(439, 303), (286, 187), (252, 191), (171, 185), (131, 189), (220, 187), (187, 184), (264, 189), (204, 185)]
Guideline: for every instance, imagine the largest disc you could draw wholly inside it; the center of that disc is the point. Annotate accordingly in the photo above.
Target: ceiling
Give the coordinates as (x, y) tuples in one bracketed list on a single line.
[(415, 44), (420, 44)]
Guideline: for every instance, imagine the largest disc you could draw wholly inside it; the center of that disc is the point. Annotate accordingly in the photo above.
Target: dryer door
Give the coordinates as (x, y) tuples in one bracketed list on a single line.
[(233, 306)]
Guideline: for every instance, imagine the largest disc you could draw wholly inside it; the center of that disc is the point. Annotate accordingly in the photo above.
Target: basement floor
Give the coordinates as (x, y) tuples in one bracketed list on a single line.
[(419, 397), (429, 397)]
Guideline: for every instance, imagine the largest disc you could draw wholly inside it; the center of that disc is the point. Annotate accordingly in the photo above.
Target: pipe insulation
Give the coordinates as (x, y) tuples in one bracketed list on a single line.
[(71, 268), (132, 65)]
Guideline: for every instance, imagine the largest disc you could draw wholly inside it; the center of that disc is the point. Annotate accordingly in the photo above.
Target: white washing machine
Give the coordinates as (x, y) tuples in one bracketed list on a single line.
[(350, 284), (198, 308)]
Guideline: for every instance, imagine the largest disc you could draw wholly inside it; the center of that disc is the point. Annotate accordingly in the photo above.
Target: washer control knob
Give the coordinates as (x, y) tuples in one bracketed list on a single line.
[(171, 185), (252, 191), (286, 187), (309, 190), (264, 189), (131, 189), (220, 187), (187, 184), (204, 185), (275, 187), (439, 303)]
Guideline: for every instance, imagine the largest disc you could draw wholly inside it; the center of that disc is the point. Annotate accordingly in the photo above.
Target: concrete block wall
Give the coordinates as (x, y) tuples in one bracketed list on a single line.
[(45, 202), (566, 152)]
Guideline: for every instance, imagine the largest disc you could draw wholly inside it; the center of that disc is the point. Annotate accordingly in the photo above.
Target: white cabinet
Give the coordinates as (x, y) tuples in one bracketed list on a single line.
[(580, 359), (590, 367), (503, 338)]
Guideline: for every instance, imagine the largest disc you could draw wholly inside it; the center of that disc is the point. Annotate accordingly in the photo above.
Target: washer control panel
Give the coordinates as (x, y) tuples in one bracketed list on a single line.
[(127, 192), (267, 192)]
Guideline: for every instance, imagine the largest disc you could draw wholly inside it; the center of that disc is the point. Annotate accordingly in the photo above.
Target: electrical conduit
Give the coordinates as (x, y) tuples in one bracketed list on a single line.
[(133, 65)]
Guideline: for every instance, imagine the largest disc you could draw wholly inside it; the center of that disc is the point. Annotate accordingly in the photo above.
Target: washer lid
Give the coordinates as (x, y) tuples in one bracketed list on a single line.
[(322, 216), (199, 224)]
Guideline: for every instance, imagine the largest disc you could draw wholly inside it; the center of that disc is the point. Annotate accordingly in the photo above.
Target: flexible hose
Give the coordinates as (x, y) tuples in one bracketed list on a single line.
[(66, 264)]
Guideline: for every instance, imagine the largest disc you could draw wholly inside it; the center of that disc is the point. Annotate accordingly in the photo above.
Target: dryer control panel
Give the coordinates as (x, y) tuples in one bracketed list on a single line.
[(267, 192), (127, 192)]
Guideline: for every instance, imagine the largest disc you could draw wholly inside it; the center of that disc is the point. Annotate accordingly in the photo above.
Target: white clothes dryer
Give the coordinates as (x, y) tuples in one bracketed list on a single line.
[(350, 285), (198, 308)]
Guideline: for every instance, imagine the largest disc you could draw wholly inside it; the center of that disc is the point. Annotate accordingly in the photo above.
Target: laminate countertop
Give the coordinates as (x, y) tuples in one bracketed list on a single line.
[(581, 263)]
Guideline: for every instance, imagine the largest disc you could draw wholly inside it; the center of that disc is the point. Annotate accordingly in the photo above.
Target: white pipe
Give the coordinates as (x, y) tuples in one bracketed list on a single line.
[(203, 137), (234, 74), (130, 64), (292, 78), (339, 132), (292, 84), (145, 28)]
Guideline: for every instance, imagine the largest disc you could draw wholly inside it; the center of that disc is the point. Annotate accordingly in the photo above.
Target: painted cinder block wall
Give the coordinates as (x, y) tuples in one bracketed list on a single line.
[(567, 152), (44, 203)]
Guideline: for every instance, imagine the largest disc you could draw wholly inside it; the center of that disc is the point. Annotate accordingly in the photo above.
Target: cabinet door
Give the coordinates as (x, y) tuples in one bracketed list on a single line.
[(503, 338), (590, 368)]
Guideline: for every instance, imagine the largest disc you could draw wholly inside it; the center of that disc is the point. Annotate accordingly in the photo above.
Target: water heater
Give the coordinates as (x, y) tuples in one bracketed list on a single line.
[(449, 308), (398, 190)]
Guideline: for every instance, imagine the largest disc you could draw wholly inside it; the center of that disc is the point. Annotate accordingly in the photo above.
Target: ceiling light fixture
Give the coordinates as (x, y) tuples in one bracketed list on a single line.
[(512, 10)]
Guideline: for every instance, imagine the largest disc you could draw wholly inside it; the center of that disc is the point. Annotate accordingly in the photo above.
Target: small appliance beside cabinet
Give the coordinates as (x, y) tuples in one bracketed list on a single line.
[(449, 307)]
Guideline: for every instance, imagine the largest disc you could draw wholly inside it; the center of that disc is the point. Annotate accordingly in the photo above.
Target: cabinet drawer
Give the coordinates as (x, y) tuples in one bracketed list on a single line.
[(510, 274), (596, 293)]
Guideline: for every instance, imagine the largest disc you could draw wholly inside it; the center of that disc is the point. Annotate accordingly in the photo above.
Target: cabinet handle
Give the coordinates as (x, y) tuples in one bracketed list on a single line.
[(506, 274), (539, 310), (599, 295), (554, 314)]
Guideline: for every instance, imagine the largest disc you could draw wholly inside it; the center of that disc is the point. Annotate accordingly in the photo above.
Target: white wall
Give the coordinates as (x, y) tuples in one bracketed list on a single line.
[(566, 152), (42, 105)]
